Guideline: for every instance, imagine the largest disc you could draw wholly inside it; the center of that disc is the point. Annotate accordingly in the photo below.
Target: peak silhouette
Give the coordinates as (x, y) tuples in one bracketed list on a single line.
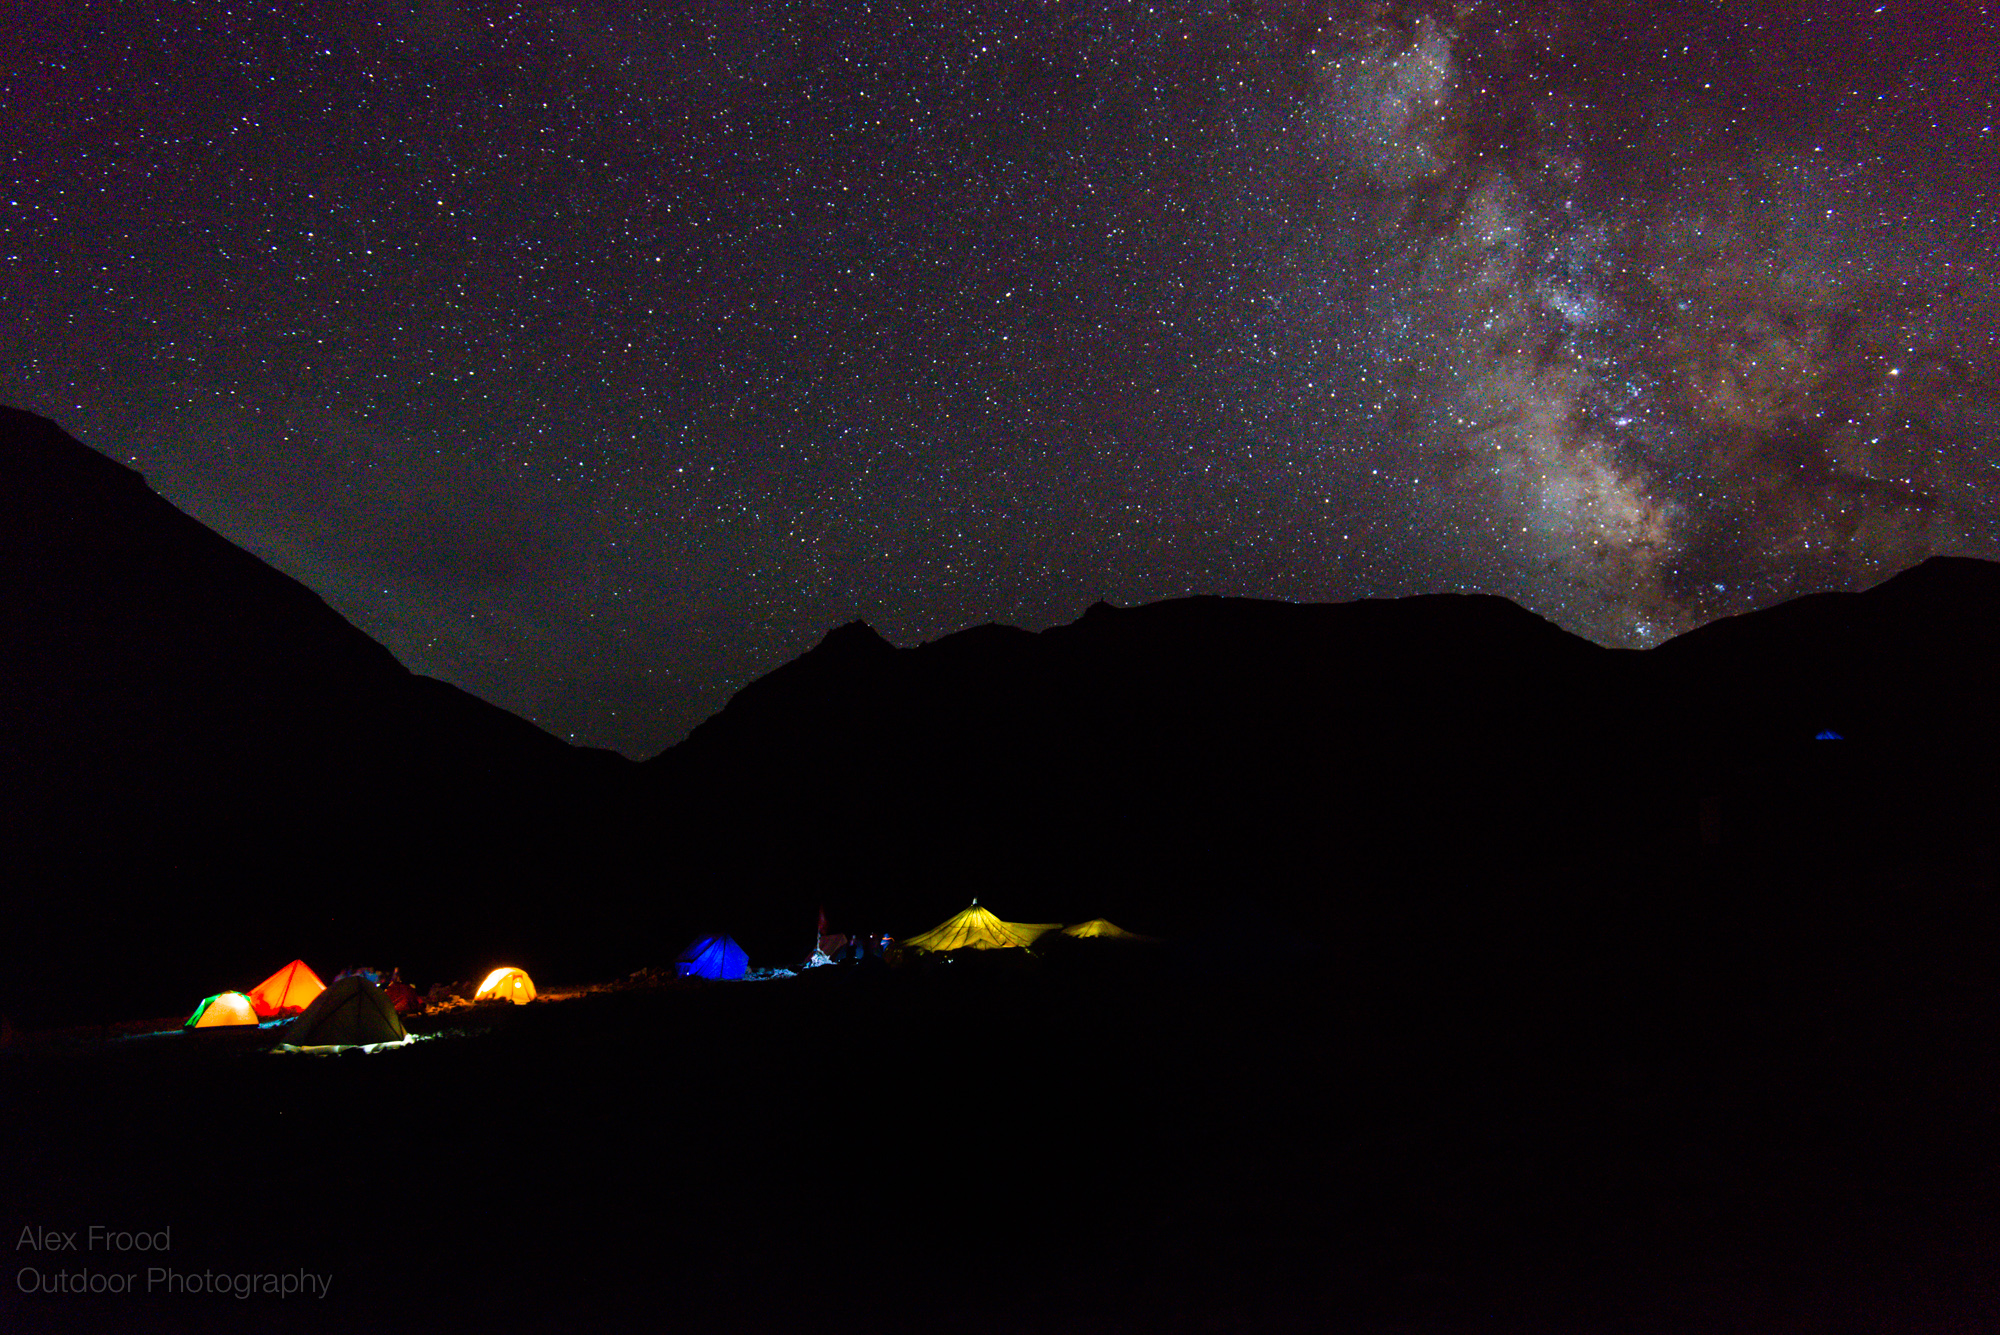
[(199, 750), (216, 764)]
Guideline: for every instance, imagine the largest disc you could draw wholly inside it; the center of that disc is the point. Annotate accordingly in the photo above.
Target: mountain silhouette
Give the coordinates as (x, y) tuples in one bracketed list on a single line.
[(205, 764), (212, 770), (1502, 971), (1903, 665), (1200, 763)]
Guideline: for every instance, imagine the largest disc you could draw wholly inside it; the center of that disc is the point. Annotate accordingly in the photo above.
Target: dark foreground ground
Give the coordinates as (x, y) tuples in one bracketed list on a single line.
[(1118, 1140)]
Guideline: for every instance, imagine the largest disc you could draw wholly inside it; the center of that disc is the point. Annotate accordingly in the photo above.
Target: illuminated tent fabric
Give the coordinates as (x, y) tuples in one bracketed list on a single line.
[(976, 929), (401, 995), (1105, 928), (712, 957), (220, 1009), (286, 992), (506, 984), (353, 1010)]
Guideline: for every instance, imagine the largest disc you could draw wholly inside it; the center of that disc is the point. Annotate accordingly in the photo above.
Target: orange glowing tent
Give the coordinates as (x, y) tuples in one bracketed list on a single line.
[(286, 992), (220, 1009), (507, 984)]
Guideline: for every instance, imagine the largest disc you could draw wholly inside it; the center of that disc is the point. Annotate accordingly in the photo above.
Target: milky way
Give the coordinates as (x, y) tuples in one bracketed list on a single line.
[(600, 357)]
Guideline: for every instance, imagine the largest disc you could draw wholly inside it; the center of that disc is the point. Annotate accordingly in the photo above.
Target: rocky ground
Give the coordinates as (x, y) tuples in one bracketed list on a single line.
[(1125, 1142)]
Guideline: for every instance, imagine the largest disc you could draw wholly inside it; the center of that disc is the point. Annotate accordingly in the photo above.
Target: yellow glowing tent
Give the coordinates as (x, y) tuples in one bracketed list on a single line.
[(506, 984), (220, 1009), (1104, 927), (976, 929)]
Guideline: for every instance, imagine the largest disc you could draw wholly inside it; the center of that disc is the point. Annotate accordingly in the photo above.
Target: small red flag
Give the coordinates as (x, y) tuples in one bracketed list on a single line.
[(822, 920)]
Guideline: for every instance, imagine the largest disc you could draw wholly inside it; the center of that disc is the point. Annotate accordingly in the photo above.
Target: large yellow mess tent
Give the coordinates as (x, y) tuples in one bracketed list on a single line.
[(976, 929)]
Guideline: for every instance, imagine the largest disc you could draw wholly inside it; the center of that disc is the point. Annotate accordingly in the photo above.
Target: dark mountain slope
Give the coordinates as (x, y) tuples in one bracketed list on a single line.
[(1905, 664), (1203, 759), (1903, 675), (205, 766), (1505, 974), (1585, 931), (1364, 767)]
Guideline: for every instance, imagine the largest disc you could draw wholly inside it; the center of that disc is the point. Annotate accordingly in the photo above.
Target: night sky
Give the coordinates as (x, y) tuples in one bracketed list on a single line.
[(599, 358)]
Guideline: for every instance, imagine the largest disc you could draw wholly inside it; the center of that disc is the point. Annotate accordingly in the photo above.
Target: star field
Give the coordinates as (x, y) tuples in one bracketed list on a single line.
[(598, 358)]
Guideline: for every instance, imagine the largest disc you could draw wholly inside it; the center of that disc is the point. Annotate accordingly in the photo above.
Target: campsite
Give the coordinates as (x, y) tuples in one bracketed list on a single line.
[(1164, 1137), (1131, 667), (1403, 965)]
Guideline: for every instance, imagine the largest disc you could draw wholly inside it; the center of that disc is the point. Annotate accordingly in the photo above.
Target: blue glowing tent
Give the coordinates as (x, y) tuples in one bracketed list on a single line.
[(712, 957)]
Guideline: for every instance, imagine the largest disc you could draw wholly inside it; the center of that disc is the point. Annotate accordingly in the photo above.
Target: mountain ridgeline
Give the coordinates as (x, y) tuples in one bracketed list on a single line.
[(209, 772), (205, 767), (1338, 774)]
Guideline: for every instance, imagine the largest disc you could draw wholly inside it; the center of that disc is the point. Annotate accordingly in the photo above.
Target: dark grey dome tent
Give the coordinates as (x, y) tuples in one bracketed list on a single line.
[(351, 1010)]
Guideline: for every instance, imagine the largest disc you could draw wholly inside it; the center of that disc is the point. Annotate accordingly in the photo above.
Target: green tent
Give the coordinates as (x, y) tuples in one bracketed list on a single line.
[(222, 1009)]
